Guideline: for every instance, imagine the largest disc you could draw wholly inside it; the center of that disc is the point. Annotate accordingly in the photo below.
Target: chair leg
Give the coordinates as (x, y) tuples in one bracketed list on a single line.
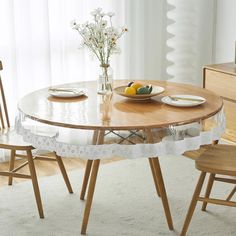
[(63, 171), (208, 190), (154, 176), (164, 198), (210, 183), (92, 184), (231, 194), (35, 183), (193, 203), (86, 178), (11, 165)]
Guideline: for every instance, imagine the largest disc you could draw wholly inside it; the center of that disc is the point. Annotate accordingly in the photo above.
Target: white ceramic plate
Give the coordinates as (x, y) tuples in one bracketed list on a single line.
[(155, 91), (179, 100), (66, 92)]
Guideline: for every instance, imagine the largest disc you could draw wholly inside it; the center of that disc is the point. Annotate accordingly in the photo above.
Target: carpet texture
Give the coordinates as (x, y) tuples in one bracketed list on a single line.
[(125, 203)]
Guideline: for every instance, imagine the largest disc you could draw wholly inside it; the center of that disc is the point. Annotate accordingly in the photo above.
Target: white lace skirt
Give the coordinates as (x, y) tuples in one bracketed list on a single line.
[(127, 144)]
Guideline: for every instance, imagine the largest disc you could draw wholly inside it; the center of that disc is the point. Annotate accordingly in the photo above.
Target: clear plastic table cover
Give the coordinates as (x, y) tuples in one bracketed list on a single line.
[(130, 144)]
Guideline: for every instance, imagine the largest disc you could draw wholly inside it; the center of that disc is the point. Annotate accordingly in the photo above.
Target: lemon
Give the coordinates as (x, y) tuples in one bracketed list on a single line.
[(136, 85), (130, 91)]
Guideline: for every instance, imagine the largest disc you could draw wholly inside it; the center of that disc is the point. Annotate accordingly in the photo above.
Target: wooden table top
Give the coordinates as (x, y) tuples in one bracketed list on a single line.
[(85, 112)]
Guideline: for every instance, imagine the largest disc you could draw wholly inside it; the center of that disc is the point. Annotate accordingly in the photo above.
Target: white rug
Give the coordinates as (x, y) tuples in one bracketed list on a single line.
[(125, 203)]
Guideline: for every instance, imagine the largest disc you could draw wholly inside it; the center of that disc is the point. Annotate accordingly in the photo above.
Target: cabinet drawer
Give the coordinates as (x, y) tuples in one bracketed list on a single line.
[(230, 112), (221, 83)]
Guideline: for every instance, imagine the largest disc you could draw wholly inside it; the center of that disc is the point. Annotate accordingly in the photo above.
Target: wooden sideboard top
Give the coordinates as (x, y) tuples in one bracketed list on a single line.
[(229, 68)]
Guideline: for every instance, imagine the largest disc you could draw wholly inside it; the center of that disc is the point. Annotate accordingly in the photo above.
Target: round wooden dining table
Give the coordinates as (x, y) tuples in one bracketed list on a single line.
[(112, 112)]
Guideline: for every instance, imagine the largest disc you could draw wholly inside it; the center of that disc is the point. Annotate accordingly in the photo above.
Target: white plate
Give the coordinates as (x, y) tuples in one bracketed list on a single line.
[(66, 92), (155, 91), (183, 103)]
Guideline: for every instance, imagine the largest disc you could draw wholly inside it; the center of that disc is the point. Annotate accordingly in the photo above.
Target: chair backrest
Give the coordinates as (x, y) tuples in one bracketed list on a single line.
[(4, 119)]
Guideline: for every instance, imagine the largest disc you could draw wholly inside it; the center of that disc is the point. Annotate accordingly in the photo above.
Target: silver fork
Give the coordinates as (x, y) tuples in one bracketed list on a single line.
[(185, 99), (62, 90)]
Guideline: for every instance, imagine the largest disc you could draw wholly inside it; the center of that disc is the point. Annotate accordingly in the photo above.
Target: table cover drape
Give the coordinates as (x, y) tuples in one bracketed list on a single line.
[(69, 142)]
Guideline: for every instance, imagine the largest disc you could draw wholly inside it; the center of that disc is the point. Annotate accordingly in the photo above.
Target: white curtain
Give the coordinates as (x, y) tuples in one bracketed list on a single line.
[(191, 31)]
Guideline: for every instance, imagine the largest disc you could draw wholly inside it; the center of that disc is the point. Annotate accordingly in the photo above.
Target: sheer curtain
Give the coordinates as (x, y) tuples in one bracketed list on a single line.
[(191, 31)]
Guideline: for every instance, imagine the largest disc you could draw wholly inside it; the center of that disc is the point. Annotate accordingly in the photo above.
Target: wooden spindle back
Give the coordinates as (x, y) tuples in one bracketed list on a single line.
[(4, 119)]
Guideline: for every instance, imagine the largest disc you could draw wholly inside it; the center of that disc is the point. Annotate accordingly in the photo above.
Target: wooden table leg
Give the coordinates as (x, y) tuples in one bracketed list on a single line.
[(92, 183), (154, 176), (88, 168), (148, 137), (164, 198), (86, 178), (160, 182), (63, 172)]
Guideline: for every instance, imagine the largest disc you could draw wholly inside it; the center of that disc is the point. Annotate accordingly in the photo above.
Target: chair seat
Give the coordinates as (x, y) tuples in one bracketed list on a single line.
[(11, 140), (218, 159), (195, 154)]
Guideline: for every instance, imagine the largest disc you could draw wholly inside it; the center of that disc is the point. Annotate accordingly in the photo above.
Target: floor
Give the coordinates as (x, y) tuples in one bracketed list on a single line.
[(125, 203), (47, 168)]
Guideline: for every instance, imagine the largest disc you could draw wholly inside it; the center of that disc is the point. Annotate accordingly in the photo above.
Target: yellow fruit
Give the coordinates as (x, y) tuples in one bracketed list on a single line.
[(130, 91), (136, 85)]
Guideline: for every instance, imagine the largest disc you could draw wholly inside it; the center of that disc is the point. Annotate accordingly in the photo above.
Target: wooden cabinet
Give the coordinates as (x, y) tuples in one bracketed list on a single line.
[(221, 79)]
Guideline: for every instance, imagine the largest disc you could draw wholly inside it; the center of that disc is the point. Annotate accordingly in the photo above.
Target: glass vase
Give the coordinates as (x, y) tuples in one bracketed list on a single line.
[(105, 80)]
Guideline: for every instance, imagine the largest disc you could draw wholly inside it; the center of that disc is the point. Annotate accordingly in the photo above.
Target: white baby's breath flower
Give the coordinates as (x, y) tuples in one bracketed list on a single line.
[(81, 46), (74, 27), (100, 45), (93, 13), (98, 10), (97, 17), (110, 30), (110, 14), (99, 36), (83, 31), (103, 23), (116, 50), (115, 32), (72, 23), (125, 29), (91, 25), (85, 24)]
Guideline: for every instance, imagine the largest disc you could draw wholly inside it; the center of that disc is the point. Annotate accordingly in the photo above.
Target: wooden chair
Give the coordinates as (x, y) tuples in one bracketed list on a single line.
[(216, 160), (10, 140)]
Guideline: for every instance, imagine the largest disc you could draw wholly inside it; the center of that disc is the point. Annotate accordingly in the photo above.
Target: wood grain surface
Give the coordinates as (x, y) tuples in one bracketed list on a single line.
[(125, 114)]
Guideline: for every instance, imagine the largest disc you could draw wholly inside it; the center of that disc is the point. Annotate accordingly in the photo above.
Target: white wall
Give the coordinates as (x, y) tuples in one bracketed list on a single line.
[(225, 31)]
